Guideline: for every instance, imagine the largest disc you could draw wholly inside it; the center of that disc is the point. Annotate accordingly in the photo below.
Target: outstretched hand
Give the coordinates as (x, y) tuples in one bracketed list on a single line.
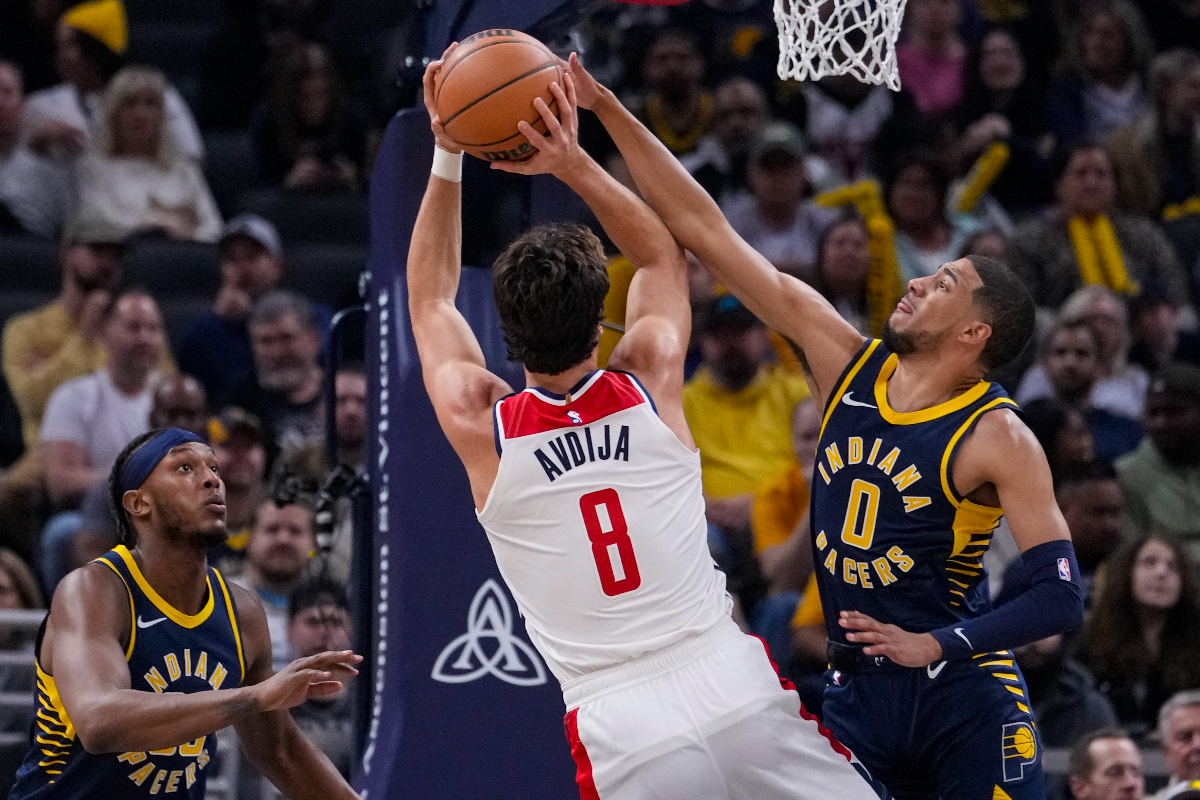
[(305, 678), (904, 648), (588, 90), (435, 122), (558, 149)]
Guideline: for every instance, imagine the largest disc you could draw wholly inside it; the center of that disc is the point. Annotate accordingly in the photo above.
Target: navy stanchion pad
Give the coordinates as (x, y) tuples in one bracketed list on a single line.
[(463, 707)]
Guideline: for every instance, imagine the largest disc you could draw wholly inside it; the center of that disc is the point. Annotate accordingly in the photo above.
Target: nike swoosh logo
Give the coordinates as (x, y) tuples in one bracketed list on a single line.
[(963, 636), (149, 624), (846, 399), (933, 673)]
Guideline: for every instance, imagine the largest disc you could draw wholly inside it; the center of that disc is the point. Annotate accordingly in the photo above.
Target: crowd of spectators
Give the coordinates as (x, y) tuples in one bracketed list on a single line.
[(1060, 135)]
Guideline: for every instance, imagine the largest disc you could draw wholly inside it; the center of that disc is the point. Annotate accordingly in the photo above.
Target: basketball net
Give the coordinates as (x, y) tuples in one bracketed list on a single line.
[(839, 37)]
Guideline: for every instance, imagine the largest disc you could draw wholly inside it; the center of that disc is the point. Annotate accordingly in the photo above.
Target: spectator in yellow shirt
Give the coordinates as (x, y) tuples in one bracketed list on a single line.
[(739, 408)]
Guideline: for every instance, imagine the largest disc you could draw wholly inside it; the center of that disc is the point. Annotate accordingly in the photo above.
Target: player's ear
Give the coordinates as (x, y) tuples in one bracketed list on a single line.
[(976, 333), (135, 502)]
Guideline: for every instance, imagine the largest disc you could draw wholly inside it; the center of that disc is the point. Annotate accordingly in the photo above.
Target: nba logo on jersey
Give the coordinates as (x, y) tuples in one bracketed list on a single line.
[(574, 415), (1064, 569)]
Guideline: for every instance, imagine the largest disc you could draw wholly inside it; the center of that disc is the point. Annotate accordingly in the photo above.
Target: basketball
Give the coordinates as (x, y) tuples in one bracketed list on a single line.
[(488, 85)]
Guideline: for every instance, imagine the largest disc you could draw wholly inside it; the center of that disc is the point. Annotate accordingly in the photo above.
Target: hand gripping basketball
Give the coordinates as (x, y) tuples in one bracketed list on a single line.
[(435, 123), (558, 149)]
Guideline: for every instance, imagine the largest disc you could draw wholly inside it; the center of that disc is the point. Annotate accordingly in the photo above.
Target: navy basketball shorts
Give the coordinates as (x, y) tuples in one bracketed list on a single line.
[(949, 731)]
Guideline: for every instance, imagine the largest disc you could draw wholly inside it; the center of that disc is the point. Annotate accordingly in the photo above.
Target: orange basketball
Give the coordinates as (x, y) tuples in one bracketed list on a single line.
[(488, 85)]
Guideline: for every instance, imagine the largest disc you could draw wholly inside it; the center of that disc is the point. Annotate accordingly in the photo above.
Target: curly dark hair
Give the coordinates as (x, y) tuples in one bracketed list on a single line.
[(549, 287), (126, 535), (1112, 635)]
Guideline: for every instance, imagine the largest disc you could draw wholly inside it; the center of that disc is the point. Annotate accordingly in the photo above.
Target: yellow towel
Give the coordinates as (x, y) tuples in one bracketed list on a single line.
[(1098, 254), (103, 20)]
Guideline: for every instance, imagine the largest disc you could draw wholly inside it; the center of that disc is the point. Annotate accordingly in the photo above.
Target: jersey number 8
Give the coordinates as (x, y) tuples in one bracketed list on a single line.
[(603, 541)]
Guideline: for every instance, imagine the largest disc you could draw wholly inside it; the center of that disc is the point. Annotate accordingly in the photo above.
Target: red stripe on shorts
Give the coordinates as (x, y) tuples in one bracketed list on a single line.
[(583, 764), (837, 746)]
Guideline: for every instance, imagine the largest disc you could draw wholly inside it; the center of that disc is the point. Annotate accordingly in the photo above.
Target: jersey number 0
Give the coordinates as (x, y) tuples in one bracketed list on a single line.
[(606, 538)]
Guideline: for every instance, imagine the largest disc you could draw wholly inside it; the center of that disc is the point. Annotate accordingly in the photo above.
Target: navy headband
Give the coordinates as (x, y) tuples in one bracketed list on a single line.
[(146, 458)]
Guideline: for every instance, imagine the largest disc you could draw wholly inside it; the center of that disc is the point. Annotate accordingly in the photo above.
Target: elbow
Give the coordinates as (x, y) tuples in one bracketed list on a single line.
[(97, 736)]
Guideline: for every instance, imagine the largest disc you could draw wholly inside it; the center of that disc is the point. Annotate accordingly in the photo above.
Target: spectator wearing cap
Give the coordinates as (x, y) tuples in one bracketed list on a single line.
[(1106, 765), (216, 347), (1161, 477), (134, 175), (1157, 156), (739, 407), (285, 389), (1179, 732), (91, 41), (740, 112), (1084, 240), (237, 441), (927, 236), (776, 215), (35, 192)]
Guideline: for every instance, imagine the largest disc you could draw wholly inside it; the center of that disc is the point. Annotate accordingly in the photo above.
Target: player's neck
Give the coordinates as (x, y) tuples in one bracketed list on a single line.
[(177, 572), (924, 380), (563, 382)]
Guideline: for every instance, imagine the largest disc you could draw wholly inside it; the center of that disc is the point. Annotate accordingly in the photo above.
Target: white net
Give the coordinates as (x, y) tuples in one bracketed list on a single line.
[(839, 37)]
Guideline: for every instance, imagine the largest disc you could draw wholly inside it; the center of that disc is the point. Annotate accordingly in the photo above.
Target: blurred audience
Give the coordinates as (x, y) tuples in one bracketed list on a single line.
[(307, 135), (775, 216), (1065, 702), (216, 347), (90, 419), (1085, 241), (237, 440), (1156, 157), (1156, 326), (134, 176), (932, 58), (677, 108), (18, 590), (1161, 477), (1102, 88), (718, 163), (1106, 765), (927, 236), (90, 45), (276, 563), (843, 118), (841, 270), (1061, 430), (35, 192), (350, 416), (1179, 732), (285, 390), (1070, 369), (1141, 638)]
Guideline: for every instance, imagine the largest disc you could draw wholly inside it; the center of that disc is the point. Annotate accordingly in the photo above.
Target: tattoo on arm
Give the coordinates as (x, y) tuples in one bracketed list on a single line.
[(231, 710)]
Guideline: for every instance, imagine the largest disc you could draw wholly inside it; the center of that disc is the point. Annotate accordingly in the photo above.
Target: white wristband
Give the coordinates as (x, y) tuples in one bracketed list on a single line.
[(447, 165)]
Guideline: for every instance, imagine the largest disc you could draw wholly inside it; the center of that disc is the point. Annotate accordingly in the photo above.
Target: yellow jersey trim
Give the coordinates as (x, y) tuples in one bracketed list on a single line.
[(176, 616), (237, 634), (836, 397), (925, 414), (132, 611), (946, 487)]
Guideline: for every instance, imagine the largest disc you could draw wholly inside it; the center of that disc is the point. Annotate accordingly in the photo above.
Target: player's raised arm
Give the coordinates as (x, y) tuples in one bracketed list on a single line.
[(786, 304), (82, 651), (658, 316), (460, 387)]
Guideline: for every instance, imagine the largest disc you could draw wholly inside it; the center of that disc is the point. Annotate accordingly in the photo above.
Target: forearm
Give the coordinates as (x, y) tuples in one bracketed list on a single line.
[(636, 230), (295, 766), (129, 721), (434, 255), (1051, 604)]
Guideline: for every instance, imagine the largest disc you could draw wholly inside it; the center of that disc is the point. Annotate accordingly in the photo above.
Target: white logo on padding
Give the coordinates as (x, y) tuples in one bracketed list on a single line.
[(511, 659)]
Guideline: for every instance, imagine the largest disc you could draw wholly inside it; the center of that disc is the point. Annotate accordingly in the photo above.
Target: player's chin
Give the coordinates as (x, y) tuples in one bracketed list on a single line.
[(213, 534)]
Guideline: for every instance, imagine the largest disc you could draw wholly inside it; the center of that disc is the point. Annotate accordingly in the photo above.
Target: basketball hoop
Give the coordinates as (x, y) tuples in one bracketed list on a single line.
[(839, 37)]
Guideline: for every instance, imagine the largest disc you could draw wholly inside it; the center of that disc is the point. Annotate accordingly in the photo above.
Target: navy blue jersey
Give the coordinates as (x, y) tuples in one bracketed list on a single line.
[(168, 652), (892, 537)]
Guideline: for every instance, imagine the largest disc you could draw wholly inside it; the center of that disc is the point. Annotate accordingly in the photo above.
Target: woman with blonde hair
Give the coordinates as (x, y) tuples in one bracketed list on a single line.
[(134, 177)]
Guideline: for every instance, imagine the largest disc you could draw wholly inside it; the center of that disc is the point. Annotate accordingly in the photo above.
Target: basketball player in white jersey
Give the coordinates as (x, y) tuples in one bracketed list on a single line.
[(590, 495)]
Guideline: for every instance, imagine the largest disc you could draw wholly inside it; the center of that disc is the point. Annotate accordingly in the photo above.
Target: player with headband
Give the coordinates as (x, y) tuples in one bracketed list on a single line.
[(148, 651)]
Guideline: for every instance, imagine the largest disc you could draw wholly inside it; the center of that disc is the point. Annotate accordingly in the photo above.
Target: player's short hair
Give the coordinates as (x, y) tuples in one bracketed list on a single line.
[(1007, 306), (126, 535), (549, 286), (1080, 763), (319, 591)]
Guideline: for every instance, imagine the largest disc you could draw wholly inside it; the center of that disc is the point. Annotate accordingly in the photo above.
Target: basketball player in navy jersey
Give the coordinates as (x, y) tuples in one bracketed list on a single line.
[(587, 484), (148, 650), (919, 457)]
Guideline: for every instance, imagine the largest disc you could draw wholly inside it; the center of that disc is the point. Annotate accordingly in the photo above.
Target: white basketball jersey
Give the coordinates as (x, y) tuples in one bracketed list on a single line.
[(597, 522)]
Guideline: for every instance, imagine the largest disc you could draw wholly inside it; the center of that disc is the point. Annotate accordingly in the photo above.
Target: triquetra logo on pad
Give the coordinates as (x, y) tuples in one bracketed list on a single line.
[(489, 647)]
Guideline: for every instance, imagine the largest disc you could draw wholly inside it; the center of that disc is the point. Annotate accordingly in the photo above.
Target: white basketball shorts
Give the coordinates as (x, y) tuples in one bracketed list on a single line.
[(706, 718)]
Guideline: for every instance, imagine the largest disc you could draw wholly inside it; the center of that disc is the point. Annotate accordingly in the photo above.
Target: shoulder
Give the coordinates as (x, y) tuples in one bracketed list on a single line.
[(1002, 435), (93, 596)]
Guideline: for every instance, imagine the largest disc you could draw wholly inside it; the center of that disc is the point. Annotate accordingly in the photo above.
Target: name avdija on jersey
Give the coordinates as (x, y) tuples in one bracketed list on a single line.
[(573, 450), (864, 505)]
